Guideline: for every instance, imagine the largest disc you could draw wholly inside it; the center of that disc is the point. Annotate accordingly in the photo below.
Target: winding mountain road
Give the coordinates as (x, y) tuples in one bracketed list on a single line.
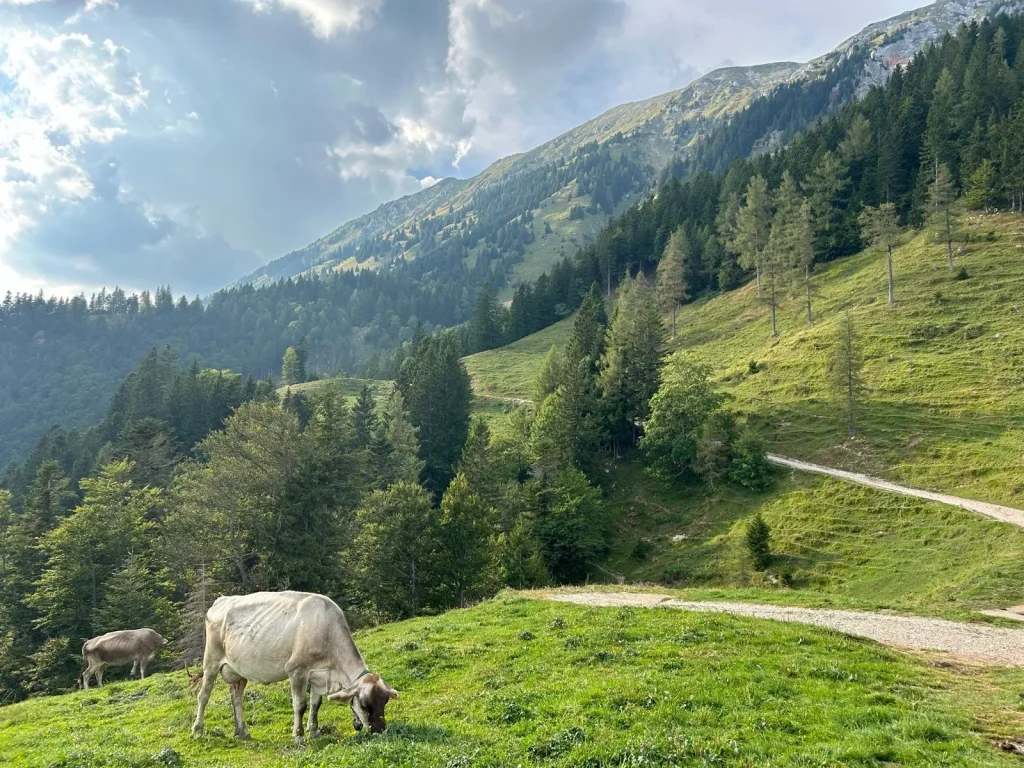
[(969, 642), (995, 511)]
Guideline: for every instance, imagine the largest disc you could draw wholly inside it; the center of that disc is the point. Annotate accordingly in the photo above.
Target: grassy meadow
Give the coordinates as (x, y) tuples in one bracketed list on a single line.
[(524, 682)]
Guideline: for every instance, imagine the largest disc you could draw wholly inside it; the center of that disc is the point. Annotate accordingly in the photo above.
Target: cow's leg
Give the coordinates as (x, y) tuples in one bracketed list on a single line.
[(99, 675), (143, 663), (299, 680), (203, 698), (237, 699), (135, 666), (313, 725)]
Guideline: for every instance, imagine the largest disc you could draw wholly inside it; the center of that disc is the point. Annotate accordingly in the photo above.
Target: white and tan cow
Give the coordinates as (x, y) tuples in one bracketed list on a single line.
[(301, 637), (138, 646)]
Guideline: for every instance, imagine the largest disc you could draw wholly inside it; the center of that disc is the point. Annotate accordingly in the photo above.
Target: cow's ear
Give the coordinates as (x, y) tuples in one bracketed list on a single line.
[(392, 693), (345, 695)]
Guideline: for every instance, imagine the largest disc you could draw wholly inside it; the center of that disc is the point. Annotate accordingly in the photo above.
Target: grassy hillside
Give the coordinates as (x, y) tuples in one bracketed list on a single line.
[(349, 387), (945, 411), (833, 544), (944, 366), (520, 682)]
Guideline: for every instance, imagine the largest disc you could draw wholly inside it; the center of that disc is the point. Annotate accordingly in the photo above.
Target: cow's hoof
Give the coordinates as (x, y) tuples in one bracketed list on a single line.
[(299, 741), (314, 734), (197, 730), (242, 735)]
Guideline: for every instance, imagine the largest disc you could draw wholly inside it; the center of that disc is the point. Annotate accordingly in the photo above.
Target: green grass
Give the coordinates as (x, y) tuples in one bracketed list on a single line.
[(944, 366), (945, 412), (835, 543), (523, 682), (349, 387), (508, 373)]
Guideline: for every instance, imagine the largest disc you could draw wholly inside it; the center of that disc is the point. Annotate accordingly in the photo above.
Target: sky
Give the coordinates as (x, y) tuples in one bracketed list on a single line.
[(187, 142)]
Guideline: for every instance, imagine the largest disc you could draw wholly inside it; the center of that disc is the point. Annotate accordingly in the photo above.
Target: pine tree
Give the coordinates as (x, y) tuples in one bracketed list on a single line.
[(135, 597), (588, 330), (758, 539), (671, 284), (365, 415), (939, 137), (981, 187), (550, 374), (828, 188), (847, 379), (753, 227), (632, 359), (151, 451), (437, 391), (567, 430), (881, 228), (396, 449), (943, 210), (484, 325), (464, 529), (572, 528), (394, 552), (293, 369)]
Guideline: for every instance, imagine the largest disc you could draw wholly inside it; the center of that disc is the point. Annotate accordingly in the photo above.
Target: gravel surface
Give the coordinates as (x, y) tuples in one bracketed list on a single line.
[(1005, 514), (991, 645)]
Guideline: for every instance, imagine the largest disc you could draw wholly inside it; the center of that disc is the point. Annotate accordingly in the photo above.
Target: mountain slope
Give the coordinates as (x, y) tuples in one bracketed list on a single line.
[(556, 196), (526, 682)]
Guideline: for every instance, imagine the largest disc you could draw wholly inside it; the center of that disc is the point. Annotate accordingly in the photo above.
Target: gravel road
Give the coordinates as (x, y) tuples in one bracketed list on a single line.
[(970, 642), (1005, 514)]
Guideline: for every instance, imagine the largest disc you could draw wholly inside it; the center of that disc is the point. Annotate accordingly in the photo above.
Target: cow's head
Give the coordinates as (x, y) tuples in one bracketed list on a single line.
[(368, 696)]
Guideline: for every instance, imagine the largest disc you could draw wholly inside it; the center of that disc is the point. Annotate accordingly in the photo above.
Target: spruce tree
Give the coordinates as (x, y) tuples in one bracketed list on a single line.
[(753, 227), (671, 284), (550, 374), (437, 391), (484, 325), (395, 452), (465, 525), (135, 597), (632, 360), (365, 415), (395, 551), (588, 330)]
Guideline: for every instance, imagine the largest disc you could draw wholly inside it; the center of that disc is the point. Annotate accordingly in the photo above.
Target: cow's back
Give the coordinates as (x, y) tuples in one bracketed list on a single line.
[(262, 635), (123, 646)]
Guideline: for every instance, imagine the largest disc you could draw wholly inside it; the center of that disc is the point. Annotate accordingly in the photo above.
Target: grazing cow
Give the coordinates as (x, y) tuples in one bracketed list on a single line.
[(267, 637), (138, 646)]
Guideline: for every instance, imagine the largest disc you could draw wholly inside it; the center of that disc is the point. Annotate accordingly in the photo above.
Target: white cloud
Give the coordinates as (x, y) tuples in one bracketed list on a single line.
[(428, 181), (325, 17), (66, 93)]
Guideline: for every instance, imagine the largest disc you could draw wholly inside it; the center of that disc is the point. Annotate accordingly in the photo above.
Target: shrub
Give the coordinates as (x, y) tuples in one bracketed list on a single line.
[(753, 367), (750, 467), (759, 538), (962, 274)]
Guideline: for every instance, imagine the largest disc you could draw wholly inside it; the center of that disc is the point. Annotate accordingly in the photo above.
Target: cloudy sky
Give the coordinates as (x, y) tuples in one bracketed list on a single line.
[(185, 142)]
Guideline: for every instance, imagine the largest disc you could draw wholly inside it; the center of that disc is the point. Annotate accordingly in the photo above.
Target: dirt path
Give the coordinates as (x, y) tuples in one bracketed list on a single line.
[(1004, 514), (991, 645)]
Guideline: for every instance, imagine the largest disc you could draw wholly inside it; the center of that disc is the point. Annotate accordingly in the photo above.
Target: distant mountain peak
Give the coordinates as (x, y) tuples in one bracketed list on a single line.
[(643, 137)]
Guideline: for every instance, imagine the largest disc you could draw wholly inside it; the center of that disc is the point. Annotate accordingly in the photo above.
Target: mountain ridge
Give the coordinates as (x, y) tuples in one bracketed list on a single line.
[(652, 133)]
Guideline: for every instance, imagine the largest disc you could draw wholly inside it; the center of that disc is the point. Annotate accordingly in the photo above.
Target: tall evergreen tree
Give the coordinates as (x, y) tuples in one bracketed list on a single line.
[(753, 227), (395, 453), (588, 330), (436, 388), (365, 415), (671, 284), (485, 325), (632, 360), (550, 374), (465, 525)]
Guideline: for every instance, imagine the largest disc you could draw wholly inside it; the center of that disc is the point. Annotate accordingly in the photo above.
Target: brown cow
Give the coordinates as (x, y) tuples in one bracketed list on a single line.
[(138, 646)]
